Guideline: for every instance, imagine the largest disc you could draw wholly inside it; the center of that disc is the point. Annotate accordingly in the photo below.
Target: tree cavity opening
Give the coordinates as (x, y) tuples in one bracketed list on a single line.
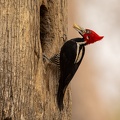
[(43, 26)]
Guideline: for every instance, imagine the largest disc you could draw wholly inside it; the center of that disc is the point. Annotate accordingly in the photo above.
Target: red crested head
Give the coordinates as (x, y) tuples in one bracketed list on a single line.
[(89, 35)]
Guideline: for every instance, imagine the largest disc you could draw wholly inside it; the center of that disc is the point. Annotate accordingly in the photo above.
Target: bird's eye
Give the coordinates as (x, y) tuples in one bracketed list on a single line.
[(87, 37), (88, 31)]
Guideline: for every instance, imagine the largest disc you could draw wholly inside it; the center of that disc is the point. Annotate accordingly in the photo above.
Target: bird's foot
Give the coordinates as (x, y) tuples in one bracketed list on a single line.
[(46, 58), (64, 37), (55, 59)]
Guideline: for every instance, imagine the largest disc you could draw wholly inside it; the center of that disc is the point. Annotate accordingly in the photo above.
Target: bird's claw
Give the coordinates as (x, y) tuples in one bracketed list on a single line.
[(64, 37)]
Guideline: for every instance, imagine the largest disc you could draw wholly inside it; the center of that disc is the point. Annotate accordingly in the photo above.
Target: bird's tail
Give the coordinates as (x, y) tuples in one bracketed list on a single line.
[(61, 92), (60, 96)]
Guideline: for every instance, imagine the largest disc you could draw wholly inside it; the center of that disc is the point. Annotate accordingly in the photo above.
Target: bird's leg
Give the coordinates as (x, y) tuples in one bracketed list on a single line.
[(46, 58), (55, 59), (64, 37)]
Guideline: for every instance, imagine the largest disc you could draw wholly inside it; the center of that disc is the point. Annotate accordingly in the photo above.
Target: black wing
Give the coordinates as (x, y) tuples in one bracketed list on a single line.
[(67, 68)]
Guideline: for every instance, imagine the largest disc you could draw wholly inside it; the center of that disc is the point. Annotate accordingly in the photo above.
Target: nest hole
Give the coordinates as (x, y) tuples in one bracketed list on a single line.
[(43, 25)]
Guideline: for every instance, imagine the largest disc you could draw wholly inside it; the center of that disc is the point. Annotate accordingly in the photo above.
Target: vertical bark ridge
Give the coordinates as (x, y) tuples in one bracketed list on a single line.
[(28, 85)]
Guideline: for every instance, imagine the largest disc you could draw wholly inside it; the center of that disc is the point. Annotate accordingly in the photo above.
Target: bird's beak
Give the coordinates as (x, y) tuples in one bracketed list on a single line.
[(81, 30)]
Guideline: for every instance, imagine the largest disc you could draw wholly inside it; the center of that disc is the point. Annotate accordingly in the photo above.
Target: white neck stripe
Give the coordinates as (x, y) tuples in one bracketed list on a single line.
[(78, 52)]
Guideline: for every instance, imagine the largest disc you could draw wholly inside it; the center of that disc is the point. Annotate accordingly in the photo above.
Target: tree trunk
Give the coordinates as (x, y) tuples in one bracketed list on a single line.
[(28, 84)]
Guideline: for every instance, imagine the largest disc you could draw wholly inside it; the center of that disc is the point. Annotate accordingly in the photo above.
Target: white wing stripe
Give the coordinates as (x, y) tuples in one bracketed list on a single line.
[(78, 52), (79, 56)]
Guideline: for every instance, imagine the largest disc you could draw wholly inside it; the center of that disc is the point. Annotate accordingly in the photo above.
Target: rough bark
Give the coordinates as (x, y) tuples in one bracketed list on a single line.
[(28, 84)]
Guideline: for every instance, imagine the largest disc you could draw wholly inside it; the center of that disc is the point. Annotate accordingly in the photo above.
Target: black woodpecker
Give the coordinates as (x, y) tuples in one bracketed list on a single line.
[(71, 55)]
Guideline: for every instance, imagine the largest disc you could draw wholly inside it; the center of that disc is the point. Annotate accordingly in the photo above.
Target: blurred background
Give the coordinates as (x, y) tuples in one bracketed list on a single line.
[(96, 85)]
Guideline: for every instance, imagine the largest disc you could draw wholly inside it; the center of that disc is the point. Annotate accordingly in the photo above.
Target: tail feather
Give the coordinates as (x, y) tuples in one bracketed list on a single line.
[(61, 90), (60, 96)]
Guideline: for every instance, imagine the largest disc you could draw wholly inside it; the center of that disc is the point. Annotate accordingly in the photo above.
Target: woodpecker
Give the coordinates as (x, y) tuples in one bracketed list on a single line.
[(71, 55)]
